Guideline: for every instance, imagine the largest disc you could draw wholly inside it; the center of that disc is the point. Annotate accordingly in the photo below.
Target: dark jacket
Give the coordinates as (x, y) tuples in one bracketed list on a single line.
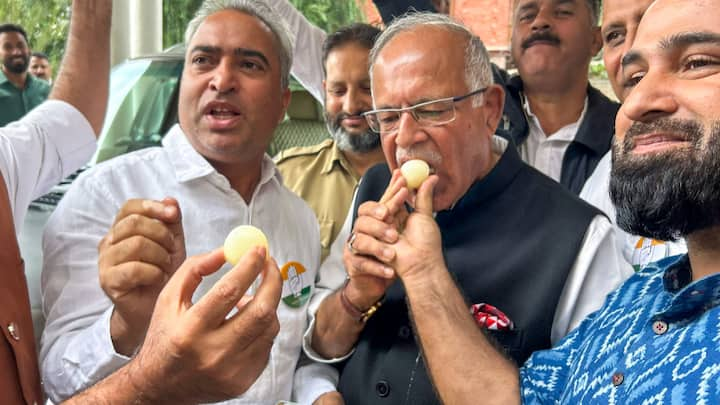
[(592, 141), (390, 9), (510, 241)]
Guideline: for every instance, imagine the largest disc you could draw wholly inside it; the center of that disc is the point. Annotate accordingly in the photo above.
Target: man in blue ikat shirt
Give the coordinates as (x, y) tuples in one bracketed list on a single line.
[(655, 340)]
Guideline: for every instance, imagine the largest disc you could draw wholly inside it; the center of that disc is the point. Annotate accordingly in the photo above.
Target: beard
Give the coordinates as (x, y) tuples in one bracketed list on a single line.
[(364, 142), (670, 194), (17, 66)]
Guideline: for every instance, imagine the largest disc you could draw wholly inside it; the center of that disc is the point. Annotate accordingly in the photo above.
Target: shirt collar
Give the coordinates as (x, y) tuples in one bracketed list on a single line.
[(190, 165), (569, 131), (3, 78), (688, 299)]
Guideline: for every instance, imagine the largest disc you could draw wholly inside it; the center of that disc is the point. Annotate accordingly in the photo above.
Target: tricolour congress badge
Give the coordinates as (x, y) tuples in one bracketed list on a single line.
[(296, 287), (648, 250)]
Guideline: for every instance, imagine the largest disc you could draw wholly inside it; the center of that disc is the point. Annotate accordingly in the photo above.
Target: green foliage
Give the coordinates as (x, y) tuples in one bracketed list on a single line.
[(46, 23), (326, 14), (329, 14), (176, 15), (597, 70)]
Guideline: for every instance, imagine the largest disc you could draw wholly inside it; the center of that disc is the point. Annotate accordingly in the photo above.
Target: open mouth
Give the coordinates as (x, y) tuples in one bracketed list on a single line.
[(221, 115)]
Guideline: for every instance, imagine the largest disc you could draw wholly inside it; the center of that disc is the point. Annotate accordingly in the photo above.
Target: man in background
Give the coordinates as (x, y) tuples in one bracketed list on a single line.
[(20, 91), (560, 123), (40, 66), (326, 175)]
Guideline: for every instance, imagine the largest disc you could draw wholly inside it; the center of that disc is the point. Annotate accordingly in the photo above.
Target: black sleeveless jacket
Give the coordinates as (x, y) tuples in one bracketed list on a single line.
[(510, 241)]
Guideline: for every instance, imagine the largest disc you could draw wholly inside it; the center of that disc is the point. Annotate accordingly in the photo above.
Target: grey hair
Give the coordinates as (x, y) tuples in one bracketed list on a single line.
[(260, 10), (478, 73)]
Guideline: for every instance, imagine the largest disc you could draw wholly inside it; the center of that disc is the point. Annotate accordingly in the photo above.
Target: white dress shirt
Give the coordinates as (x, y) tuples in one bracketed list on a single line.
[(38, 151), (597, 271), (76, 347), (636, 250), (546, 152)]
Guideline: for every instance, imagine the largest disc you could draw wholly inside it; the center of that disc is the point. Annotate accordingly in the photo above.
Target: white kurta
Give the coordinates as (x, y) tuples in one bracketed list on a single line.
[(76, 349)]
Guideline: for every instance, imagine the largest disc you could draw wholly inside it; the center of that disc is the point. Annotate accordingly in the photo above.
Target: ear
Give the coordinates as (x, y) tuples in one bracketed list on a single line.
[(493, 104), (597, 42)]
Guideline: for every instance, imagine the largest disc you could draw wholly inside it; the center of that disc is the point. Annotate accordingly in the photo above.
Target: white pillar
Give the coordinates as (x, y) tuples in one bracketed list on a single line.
[(119, 38), (146, 27)]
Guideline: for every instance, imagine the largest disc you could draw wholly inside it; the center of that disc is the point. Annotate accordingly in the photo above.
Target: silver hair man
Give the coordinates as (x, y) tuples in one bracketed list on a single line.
[(478, 73), (256, 8)]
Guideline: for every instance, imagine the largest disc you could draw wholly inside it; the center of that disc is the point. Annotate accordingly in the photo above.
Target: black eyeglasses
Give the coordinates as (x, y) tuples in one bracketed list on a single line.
[(429, 113)]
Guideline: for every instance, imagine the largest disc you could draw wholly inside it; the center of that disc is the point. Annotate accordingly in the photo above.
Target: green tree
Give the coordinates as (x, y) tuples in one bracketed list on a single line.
[(45, 21), (329, 14), (326, 14), (176, 15)]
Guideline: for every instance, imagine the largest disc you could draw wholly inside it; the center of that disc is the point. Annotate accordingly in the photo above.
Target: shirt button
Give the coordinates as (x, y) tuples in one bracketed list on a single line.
[(660, 327), (382, 388), (618, 378), (404, 332), (13, 330)]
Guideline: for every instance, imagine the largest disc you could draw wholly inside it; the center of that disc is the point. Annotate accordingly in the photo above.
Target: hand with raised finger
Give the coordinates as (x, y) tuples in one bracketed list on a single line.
[(419, 246), (194, 352), (138, 255), (368, 251)]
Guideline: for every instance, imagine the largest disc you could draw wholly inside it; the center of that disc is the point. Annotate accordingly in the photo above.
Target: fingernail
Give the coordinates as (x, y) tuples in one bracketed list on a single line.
[(388, 272), (388, 254), (391, 235), (169, 210), (380, 212)]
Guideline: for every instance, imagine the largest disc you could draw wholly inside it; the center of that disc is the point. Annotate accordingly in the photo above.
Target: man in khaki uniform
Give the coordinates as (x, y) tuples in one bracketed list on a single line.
[(325, 175)]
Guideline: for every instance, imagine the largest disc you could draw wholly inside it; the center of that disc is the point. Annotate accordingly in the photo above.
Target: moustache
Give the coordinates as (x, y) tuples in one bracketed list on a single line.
[(430, 157), (342, 115), (688, 130), (546, 36)]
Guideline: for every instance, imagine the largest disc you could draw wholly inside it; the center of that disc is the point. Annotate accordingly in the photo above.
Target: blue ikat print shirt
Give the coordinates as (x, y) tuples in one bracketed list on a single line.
[(656, 340)]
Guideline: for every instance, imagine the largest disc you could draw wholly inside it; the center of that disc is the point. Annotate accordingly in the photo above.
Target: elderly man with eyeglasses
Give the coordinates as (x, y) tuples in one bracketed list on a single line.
[(531, 259)]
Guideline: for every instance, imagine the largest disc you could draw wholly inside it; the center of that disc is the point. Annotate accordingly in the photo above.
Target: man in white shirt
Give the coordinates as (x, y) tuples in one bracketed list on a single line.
[(173, 364), (561, 124), (620, 21), (234, 91)]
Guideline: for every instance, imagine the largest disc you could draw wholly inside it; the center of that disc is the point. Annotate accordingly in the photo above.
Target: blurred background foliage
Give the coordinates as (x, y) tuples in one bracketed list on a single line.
[(46, 23), (326, 14)]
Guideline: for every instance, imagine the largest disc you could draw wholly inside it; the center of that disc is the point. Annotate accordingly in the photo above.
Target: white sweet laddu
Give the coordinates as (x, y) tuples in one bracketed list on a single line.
[(415, 172), (240, 240)]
